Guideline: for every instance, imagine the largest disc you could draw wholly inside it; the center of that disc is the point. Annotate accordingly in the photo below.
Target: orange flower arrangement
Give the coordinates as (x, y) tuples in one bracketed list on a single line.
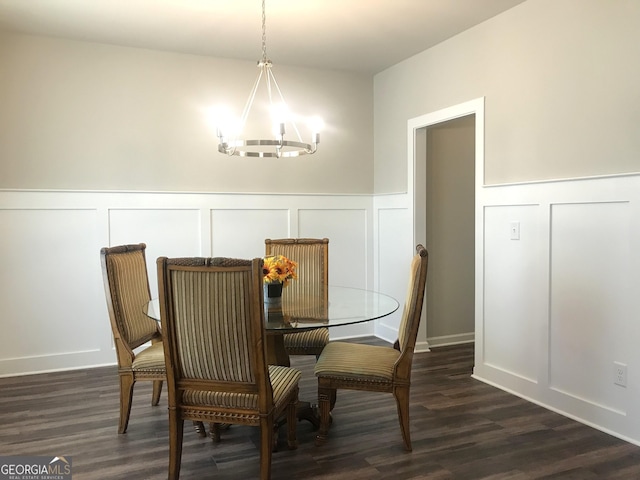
[(279, 269)]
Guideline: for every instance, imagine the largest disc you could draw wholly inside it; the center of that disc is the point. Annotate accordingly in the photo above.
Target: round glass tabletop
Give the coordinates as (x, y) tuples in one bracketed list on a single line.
[(343, 306)]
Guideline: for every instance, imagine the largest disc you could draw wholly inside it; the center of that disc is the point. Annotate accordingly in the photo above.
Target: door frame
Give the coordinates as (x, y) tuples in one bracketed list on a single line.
[(416, 185)]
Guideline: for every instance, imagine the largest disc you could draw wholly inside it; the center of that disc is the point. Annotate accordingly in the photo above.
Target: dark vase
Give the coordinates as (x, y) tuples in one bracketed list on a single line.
[(272, 292)]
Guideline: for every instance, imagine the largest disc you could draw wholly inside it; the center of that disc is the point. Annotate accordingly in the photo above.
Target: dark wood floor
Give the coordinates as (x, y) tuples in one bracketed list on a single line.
[(461, 429)]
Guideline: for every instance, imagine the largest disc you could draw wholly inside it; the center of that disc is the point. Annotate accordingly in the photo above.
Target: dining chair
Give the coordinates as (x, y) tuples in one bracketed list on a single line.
[(214, 334), (126, 285), (312, 256), (375, 368)]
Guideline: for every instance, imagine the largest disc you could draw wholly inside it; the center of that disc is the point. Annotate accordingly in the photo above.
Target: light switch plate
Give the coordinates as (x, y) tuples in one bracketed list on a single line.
[(514, 229)]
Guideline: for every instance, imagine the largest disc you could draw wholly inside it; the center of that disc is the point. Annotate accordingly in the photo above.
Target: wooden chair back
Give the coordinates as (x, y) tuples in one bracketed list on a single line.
[(214, 334), (213, 326), (126, 285), (312, 256), (411, 313), (310, 290)]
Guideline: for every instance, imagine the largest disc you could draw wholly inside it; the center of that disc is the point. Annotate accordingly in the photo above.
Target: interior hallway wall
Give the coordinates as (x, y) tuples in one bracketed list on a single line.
[(561, 82), (450, 190)]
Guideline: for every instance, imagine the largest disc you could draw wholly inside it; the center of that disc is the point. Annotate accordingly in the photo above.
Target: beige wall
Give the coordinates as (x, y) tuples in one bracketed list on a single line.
[(78, 115), (561, 79)]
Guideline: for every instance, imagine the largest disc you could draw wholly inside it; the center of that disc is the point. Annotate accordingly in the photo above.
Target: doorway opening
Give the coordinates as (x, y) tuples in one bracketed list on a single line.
[(446, 155)]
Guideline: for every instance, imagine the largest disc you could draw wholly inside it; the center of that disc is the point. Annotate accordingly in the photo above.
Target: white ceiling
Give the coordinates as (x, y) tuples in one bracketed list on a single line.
[(364, 36)]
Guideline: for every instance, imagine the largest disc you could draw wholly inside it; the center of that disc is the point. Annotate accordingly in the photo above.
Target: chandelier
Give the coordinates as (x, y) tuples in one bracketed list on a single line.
[(229, 133)]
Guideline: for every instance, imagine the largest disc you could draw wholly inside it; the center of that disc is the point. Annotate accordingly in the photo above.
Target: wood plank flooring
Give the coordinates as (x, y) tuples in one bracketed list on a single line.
[(461, 429)]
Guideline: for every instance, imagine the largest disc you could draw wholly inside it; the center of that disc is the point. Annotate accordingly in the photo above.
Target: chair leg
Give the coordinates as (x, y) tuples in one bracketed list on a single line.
[(292, 423), (126, 396), (266, 447), (214, 430), (334, 395), (157, 389), (402, 401), (199, 428), (176, 432), (325, 397)]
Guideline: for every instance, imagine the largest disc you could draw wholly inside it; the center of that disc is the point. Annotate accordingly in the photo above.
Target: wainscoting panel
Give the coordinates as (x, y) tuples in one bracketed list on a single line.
[(166, 232), (591, 291), (513, 312), (558, 308), (241, 233), (554, 309), (394, 254), (349, 252), (54, 314), (50, 281)]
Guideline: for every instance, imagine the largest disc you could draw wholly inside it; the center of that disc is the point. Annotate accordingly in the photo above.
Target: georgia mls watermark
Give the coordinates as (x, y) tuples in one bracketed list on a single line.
[(35, 468)]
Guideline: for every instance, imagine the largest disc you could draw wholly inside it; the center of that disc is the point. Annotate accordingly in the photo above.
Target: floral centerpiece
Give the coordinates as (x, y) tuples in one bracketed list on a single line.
[(279, 269)]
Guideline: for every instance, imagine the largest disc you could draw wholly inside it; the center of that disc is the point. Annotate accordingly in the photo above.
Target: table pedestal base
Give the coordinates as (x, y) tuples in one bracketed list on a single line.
[(309, 412), (277, 355)]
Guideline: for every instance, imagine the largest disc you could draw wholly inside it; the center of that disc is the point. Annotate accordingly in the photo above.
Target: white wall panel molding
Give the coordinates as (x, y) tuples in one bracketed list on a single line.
[(557, 307), (48, 287), (54, 312), (393, 233), (512, 289), (591, 299)]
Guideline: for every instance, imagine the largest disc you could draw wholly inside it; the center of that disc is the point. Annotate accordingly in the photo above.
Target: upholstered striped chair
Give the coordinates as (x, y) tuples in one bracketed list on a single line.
[(312, 255), (126, 286), (375, 368), (214, 335)]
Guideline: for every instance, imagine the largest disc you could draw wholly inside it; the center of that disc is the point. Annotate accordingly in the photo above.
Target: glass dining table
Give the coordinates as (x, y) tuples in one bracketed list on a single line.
[(296, 313), (343, 306)]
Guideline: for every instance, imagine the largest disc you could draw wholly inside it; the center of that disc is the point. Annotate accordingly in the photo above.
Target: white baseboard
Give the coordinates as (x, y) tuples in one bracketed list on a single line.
[(451, 339)]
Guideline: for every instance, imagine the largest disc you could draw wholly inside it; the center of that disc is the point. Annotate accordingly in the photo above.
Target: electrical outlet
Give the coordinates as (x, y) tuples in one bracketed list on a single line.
[(620, 374)]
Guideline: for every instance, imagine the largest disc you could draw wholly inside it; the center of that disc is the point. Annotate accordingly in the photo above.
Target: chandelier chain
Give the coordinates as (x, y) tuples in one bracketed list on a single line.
[(264, 33)]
